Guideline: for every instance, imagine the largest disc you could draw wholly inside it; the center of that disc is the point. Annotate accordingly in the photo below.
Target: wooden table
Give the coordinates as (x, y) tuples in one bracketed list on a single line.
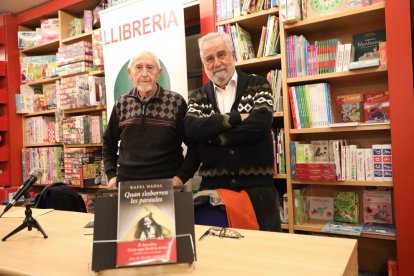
[(68, 250)]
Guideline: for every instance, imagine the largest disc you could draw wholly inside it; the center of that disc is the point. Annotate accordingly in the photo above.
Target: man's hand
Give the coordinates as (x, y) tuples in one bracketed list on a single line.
[(176, 181), (244, 116), (112, 183)]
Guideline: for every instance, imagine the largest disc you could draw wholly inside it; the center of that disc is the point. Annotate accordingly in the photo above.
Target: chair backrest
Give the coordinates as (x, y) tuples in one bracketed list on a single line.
[(59, 196)]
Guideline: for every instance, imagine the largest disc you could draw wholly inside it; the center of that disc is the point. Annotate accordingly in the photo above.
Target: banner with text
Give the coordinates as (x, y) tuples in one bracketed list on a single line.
[(145, 25)]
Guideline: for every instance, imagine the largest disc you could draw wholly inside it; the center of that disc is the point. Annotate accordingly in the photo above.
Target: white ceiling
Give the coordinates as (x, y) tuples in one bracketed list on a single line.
[(18, 6)]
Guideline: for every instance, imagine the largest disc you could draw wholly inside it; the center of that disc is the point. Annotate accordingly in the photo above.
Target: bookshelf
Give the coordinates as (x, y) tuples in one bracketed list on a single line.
[(57, 149), (342, 25), (10, 123)]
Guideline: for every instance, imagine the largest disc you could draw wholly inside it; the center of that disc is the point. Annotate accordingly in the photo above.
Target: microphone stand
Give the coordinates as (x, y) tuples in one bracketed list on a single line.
[(29, 222)]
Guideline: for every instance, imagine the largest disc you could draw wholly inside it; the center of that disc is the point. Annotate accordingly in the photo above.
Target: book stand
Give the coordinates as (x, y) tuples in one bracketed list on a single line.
[(105, 230), (29, 222)]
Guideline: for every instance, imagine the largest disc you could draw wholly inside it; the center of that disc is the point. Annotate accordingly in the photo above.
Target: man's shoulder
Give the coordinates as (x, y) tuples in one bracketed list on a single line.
[(171, 95)]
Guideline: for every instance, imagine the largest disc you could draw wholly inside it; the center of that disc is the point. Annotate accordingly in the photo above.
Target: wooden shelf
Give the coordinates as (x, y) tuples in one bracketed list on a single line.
[(250, 19), (345, 183), (278, 114), (56, 144), (263, 64), (3, 96), (341, 129), (341, 76), (279, 176), (40, 113), (82, 145), (285, 226), (317, 227), (86, 109), (352, 17), (82, 37), (49, 47), (97, 73), (43, 81)]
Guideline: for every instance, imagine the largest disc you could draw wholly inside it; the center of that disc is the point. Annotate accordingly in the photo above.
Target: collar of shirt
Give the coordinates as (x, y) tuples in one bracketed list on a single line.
[(154, 94), (225, 97)]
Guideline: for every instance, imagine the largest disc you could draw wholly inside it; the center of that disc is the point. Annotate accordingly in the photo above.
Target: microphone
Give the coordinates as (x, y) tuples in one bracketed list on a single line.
[(34, 175)]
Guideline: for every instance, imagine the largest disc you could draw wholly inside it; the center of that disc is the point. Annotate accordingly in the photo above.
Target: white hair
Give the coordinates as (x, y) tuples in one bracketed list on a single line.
[(215, 35), (137, 56)]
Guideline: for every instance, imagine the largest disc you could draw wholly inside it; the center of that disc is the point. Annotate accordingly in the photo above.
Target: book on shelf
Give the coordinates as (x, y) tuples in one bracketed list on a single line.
[(377, 107), (361, 64), (317, 8), (320, 150), (346, 206), (27, 39), (367, 44), (299, 202), (379, 229), (290, 11), (342, 228), (146, 223), (350, 107), (377, 206), (320, 208)]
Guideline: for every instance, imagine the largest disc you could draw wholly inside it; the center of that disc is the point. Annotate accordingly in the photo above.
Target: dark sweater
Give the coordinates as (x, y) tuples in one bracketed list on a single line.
[(150, 135), (233, 153)]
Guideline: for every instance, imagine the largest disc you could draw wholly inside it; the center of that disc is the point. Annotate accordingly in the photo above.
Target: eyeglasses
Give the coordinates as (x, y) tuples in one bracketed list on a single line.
[(222, 232)]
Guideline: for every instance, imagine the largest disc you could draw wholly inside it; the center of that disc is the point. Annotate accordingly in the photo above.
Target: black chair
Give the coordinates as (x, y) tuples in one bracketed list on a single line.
[(59, 196)]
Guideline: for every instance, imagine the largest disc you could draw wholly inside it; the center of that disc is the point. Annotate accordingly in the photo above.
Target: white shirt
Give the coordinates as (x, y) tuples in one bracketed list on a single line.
[(226, 97)]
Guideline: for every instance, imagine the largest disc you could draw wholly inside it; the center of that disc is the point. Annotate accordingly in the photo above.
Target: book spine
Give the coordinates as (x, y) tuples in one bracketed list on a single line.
[(360, 164), (386, 162), (369, 169), (377, 162)]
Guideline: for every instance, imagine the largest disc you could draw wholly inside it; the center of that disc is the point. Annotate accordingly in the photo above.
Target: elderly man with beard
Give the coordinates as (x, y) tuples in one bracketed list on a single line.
[(230, 119), (147, 123)]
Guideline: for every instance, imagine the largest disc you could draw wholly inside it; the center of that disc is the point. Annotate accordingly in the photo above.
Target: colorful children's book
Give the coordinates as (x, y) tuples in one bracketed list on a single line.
[(377, 107), (379, 229), (377, 206), (342, 228), (350, 107), (346, 207), (146, 223), (320, 208)]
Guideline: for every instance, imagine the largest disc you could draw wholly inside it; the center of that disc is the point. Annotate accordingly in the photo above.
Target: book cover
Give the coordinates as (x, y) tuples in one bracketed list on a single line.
[(377, 206), (320, 150), (379, 229), (320, 208), (350, 107), (299, 205), (367, 44), (377, 107), (346, 207), (342, 228), (146, 223), (316, 8)]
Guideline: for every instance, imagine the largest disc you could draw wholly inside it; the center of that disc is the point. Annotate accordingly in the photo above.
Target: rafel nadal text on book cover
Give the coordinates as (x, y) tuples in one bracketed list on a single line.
[(146, 223)]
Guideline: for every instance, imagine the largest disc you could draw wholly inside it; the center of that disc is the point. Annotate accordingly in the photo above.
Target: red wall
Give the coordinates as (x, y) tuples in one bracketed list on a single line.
[(400, 80)]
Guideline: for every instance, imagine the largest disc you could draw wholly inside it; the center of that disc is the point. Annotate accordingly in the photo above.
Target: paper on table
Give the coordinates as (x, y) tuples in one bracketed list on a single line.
[(19, 213)]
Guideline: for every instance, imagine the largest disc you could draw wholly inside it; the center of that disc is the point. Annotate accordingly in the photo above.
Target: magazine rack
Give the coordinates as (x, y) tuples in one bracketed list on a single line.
[(105, 230)]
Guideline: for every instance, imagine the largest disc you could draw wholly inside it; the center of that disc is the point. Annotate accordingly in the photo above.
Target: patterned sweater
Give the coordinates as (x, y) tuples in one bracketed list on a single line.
[(233, 153), (150, 135)]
